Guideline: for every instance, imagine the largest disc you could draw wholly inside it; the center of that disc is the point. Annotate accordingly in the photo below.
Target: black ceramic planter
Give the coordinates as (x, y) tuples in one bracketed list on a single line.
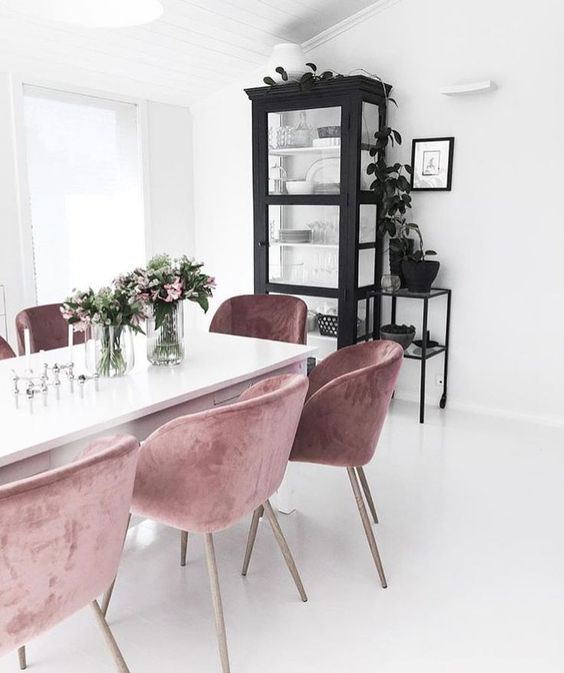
[(419, 276)]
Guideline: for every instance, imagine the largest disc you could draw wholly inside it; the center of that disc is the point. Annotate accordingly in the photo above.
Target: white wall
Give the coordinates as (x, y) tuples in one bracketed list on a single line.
[(171, 198), (498, 232), (166, 131)]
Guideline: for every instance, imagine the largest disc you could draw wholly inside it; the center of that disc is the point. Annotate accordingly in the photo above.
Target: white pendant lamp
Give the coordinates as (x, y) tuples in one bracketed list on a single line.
[(93, 13), (291, 57)]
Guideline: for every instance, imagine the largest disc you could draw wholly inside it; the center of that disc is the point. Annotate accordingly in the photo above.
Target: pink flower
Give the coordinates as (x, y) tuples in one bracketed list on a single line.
[(211, 282)]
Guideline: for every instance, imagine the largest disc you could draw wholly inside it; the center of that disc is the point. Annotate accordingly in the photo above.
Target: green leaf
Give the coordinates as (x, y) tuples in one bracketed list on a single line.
[(408, 169), (312, 66), (373, 151), (430, 252), (370, 169), (397, 136), (393, 100), (403, 183), (280, 70), (328, 74), (269, 81)]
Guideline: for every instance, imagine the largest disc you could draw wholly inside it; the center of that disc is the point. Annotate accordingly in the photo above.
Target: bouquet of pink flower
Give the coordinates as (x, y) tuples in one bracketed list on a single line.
[(115, 306), (167, 281)]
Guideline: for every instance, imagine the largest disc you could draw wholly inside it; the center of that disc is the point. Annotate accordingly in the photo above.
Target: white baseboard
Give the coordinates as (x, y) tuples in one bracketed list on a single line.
[(482, 410)]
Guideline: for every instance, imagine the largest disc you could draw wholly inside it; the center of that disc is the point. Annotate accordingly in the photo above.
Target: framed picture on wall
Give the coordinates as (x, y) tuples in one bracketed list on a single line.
[(431, 161)]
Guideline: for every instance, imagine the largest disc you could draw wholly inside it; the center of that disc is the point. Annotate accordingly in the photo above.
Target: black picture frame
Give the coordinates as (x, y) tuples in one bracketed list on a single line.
[(420, 177)]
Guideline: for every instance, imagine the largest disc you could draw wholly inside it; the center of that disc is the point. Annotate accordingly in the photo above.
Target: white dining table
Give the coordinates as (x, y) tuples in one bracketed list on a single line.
[(217, 368)]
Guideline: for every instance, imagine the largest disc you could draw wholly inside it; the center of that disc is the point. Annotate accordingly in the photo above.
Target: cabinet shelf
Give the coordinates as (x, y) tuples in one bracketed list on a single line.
[(325, 246), (332, 151)]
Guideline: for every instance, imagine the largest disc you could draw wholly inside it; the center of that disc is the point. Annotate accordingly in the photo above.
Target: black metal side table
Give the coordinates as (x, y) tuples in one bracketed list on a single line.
[(425, 352)]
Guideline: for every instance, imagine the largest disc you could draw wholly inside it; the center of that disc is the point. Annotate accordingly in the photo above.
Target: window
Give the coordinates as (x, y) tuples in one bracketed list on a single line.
[(85, 187)]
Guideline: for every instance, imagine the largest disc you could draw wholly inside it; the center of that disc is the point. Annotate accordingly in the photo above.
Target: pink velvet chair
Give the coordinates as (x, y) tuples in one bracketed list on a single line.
[(47, 328), (263, 316), (347, 403), (61, 538), (203, 472), (6, 350)]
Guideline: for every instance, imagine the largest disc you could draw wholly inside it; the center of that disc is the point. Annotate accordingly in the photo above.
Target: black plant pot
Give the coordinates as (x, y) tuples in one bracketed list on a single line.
[(419, 276), (396, 258)]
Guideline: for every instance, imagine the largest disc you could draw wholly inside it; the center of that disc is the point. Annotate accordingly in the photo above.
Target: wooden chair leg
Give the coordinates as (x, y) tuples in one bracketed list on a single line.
[(21, 658), (367, 493), (183, 547), (259, 511), (217, 605), (284, 548), (366, 524), (110, 591), (109, 637)]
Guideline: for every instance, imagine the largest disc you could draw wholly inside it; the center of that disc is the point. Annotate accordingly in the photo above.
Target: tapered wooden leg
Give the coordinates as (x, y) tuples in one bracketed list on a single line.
[(284, 548), (110, 591), (367, 493), (109, 637), (366, 523), (183, 547), (259, 511), (21, 657), (217, 606)]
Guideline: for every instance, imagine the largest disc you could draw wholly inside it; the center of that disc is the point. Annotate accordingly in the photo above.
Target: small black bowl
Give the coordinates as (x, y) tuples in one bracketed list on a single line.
[(404, 339)]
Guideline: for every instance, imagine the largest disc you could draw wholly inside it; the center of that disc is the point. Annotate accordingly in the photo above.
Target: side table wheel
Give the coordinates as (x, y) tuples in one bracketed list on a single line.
[(442, 403)]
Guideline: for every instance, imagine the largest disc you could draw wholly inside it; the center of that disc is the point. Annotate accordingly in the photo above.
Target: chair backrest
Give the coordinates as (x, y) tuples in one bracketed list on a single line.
[(6, 350), (348, 400), (47, 328), (61, 537), (205, 471), (264, 316)]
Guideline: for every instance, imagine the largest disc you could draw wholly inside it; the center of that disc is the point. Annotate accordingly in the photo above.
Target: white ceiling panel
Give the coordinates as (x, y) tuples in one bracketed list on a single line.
[(194, 48)]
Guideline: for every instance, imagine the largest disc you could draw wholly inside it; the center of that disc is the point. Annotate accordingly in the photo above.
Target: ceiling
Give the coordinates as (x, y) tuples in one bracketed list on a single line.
[(194, 48)]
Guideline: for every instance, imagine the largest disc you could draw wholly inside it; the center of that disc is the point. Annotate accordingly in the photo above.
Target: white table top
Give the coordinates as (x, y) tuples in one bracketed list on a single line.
[(213, 362)]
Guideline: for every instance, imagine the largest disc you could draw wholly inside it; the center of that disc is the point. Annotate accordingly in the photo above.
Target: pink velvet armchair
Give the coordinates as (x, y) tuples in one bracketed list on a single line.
[(47, 328), (264, 316), (6, 350), (61, 540), (203, 472), (347, 403)]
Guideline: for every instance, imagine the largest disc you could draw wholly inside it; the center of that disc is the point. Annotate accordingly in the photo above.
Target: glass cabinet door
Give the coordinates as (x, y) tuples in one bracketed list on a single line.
[(304, 151), (304, 245)]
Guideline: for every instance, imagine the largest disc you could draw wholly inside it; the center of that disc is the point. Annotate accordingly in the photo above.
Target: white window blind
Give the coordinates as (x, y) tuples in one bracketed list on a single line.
[(85, 187)]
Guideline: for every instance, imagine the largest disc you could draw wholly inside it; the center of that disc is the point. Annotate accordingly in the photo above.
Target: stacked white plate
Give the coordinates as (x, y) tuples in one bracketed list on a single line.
[(295, 235)]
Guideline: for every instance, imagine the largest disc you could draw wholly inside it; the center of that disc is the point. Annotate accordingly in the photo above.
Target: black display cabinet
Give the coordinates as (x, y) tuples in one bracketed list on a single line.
[(314, 213)]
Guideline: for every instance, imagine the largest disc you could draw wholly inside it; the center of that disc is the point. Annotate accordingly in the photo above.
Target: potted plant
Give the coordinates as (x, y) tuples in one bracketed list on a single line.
[(162, 287), (109, 319), (392, 186), (401, 334), (418, 271)]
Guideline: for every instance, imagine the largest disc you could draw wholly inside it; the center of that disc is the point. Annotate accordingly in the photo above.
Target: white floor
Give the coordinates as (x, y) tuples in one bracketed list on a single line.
[(471, 538)]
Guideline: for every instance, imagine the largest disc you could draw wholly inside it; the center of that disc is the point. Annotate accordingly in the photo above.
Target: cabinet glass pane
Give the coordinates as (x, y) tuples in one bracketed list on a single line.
[(304, 151), (304, 245), (366, 266), (367, 227), (370, 124)]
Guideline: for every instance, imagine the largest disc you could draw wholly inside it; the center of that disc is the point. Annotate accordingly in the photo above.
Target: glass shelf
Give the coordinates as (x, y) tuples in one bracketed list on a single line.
[(292, 151)]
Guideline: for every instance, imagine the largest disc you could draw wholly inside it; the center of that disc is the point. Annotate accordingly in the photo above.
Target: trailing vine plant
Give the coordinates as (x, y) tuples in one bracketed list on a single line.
[(306, 82), (392, 186)]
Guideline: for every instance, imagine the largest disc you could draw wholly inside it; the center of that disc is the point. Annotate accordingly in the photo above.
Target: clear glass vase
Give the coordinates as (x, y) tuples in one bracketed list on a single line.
[(109, 350), (165, 343)]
